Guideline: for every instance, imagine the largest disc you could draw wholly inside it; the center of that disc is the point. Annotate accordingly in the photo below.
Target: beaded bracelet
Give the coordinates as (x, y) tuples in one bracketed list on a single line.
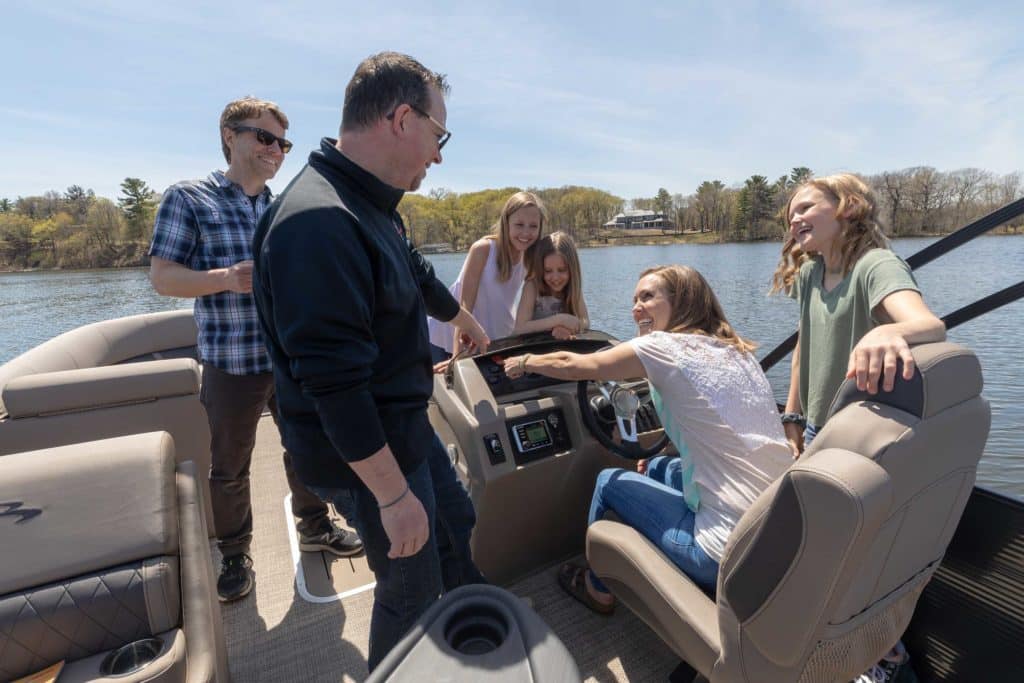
[(522, 363)]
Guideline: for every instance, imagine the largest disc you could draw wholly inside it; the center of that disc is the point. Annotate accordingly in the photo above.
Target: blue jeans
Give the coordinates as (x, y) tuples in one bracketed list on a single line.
[(437, 354), (810, 431), (407, 586), (652, 503)]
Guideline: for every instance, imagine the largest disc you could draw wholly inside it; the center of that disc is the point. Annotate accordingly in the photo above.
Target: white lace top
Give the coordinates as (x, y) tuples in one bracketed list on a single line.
[(718, 409)]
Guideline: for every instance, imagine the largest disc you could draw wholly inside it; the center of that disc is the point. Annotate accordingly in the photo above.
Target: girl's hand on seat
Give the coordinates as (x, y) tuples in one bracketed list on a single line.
[(875, 356), (795, 438)]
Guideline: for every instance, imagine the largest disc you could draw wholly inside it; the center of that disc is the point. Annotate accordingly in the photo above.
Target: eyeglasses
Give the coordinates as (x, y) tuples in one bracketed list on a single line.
[(446, 134), (265, 137)]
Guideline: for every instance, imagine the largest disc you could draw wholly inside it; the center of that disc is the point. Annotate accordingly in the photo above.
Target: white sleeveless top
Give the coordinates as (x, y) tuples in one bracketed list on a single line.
[(718, 409), (495, 307)]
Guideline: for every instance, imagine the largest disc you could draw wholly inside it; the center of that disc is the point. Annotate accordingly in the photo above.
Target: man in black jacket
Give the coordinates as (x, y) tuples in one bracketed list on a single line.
[(342, 301)]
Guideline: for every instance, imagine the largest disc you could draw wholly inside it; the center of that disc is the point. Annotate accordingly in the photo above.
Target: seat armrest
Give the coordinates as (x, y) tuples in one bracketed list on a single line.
[(656, 590), (52, 393), (201, 619)]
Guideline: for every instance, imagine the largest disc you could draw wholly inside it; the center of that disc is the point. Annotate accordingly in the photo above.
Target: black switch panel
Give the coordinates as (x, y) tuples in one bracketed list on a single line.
[(495, 451)]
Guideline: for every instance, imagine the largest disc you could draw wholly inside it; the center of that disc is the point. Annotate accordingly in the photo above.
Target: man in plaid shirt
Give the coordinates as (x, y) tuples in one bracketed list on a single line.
[(202, 248)]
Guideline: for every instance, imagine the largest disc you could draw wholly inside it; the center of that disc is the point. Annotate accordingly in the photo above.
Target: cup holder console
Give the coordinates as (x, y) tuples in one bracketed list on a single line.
[(478, 634), (130, 658), (476, 629)]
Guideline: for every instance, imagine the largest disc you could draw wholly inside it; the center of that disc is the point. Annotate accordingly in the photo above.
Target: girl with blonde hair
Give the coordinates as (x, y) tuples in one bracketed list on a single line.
[(552, 296), (493, 273), (860, 307)]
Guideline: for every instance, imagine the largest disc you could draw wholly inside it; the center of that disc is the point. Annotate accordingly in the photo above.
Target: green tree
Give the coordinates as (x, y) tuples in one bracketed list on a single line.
[(16, 241), (754, 208), (6, 205), (77, 202), (799, 175), (663, 202), (713, 207), (137, 203), (103, 224)]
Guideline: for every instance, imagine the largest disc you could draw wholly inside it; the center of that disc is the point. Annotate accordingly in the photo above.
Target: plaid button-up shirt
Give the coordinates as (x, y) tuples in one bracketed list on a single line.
[(207, 224)]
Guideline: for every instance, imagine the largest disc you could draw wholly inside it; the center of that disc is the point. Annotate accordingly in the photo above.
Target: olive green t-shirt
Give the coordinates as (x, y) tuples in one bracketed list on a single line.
[(831, 323)]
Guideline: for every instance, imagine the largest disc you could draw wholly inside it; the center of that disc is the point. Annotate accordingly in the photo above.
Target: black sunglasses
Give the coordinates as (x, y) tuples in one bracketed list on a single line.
[(265, 137), (445, 135)]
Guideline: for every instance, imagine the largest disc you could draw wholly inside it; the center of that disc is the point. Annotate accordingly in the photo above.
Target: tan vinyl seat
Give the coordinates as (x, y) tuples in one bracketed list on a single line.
[(104, 544), (821, 575), (111, 378)]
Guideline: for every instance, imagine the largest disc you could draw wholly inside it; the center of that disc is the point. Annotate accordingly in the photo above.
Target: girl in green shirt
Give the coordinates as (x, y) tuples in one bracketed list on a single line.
[(860, 309)]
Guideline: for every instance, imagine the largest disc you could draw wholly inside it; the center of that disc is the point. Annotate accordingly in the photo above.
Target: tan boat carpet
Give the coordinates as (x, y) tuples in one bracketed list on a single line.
[(275, 634)]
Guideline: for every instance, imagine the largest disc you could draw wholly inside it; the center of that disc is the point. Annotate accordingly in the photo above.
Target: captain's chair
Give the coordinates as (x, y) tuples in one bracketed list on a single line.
[(105, 565), (821, 575)]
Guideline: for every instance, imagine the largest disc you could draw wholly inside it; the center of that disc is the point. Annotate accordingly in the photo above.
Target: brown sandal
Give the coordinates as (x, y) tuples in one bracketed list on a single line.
[(573, 580)]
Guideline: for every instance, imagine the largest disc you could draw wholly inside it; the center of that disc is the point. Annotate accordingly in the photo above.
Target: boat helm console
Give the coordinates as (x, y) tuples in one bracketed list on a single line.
[(530, 448)]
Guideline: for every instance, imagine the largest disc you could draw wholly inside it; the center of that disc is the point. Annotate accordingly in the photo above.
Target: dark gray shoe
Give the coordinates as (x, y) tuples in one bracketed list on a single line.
[(236, 578), (340, 542)]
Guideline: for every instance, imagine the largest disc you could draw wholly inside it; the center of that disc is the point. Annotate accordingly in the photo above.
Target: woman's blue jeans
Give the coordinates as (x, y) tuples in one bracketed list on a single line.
[(810, 431), (652, 503)]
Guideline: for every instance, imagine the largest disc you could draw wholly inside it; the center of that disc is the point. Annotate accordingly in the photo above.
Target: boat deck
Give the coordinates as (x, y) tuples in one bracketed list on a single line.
[(278, 634)]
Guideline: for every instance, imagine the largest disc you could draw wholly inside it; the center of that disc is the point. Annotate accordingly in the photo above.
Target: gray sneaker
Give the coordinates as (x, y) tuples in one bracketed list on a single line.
[(340, 542)]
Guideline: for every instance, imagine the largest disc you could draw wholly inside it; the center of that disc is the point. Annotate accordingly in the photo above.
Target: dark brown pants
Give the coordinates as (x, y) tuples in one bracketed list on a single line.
[(234, 404)]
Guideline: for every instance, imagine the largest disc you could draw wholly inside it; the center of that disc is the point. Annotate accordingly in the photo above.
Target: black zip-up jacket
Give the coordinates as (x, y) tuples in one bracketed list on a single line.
[(342, 299)]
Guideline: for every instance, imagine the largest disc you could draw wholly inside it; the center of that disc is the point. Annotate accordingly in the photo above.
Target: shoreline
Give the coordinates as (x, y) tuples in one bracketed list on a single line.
[(611, 241)]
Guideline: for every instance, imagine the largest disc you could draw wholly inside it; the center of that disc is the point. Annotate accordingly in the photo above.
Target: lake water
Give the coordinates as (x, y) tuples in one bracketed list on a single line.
[(37, 306)]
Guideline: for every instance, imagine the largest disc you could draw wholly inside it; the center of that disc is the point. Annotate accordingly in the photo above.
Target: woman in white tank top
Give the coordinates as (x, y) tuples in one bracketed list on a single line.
[(493, 273)]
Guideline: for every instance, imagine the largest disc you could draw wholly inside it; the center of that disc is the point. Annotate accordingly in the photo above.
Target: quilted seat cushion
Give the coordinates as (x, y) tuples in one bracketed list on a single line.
[(85, 615)]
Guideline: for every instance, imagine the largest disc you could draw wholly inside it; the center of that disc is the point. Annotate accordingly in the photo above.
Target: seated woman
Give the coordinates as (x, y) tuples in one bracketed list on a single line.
[(717, 408)]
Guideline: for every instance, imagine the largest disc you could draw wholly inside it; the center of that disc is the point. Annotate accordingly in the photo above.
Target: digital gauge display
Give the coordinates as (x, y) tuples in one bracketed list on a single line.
[(530, 436)]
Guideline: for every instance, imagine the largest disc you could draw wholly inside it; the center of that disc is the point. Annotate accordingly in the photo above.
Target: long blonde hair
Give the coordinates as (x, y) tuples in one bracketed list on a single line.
[(695, 308), (500, 232), (860, 228), (558, 243)]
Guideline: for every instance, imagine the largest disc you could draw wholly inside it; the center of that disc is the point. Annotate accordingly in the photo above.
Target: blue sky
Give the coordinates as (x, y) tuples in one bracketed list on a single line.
[(624, 96)]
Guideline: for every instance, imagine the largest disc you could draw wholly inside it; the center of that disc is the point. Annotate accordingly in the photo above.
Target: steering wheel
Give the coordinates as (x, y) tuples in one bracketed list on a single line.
[(625, 402)]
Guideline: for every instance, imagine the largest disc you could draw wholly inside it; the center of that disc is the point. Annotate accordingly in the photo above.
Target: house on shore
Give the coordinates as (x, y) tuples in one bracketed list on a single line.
[(640, 219)]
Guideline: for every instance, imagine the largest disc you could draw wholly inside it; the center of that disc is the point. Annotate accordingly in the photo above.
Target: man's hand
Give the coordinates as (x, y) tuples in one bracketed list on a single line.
[(405, 524), (875, 355), (473, 336), (641, 465), (238, 278)]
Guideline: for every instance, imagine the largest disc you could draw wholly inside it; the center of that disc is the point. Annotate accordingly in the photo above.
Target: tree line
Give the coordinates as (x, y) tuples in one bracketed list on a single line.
[(913, 202), (77, 229)]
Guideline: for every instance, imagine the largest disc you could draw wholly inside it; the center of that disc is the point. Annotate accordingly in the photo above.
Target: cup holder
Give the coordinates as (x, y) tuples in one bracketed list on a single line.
[(476, 630), (130, 658)]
